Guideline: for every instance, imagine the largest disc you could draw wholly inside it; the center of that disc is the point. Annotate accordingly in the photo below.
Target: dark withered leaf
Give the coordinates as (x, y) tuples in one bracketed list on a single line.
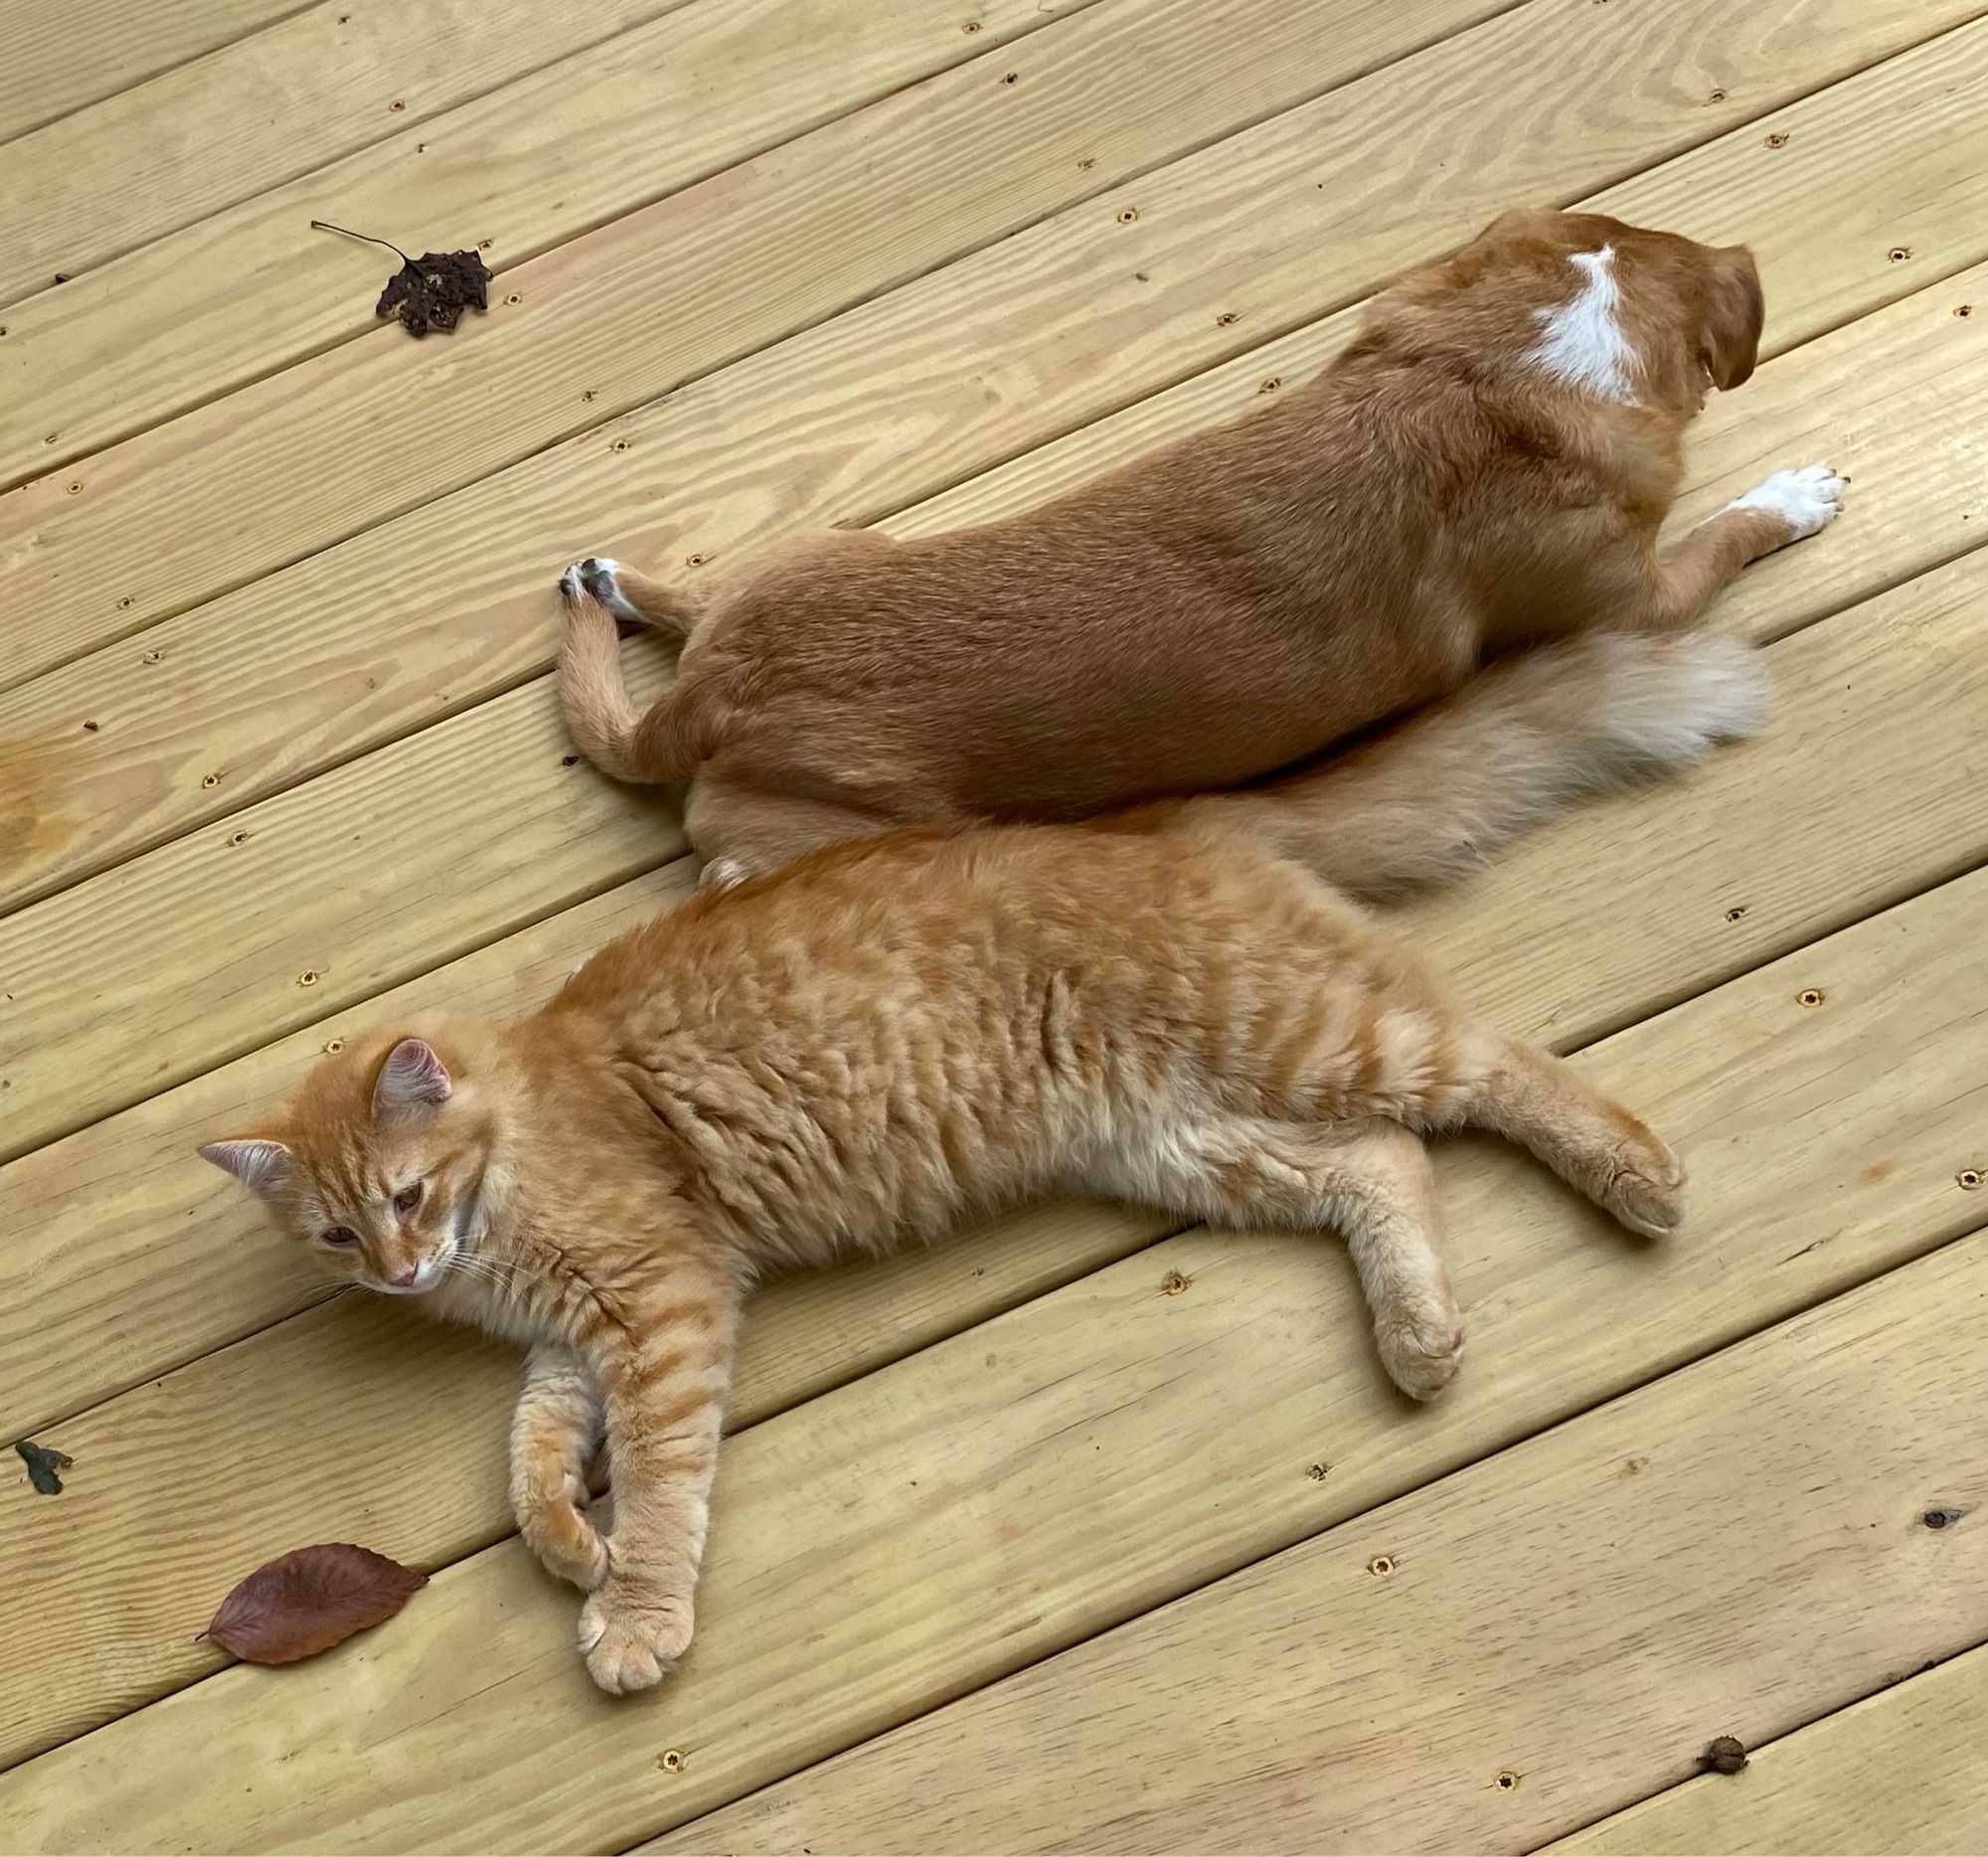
[(430, 291), (309, 1600), (43, 1461)]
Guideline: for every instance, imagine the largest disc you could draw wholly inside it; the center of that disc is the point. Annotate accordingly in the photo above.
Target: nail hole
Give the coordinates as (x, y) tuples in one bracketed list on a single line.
[(1963, 309), (308, 977), (1011, 77), (1380, 1566), (1719, 96), (1127, 215), (483, 244), (238, 838), (972, 25), (693, 560), (1173, 1283), (620, 445), (1938, 1518), (396, 105), (514, 297), (568, 760), (1809, 996), (1898, 253), (1508, 1782), (1270, 386), (76, 489), (1778, 139), (333, 1046), (588, 394), (155, 658), (51, 439), (1318, 1472), (124, 602), (210, 779), (671, 1761), (421, 148), (89, 727), (1224, 319), (1968, 1179), (1738, 911)]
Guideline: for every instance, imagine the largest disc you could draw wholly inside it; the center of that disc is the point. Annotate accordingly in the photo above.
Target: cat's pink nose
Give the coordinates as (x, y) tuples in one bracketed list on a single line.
[(405, 1279)]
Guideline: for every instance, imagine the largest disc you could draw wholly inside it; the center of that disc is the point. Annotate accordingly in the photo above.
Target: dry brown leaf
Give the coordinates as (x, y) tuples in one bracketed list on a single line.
[(309, 1600)]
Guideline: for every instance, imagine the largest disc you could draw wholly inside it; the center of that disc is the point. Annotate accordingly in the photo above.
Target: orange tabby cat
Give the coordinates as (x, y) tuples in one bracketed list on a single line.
[(858, 1048)]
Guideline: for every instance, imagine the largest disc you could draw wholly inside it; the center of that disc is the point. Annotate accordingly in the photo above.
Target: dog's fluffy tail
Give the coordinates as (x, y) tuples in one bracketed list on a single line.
[(1432, 799), (666, 741)]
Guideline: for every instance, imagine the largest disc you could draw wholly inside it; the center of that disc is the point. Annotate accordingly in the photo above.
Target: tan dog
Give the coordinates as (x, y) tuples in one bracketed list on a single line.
[(1488, 463)]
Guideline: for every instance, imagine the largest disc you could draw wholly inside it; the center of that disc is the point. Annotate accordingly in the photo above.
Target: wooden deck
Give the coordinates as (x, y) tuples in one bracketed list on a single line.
[(1015, 1550)]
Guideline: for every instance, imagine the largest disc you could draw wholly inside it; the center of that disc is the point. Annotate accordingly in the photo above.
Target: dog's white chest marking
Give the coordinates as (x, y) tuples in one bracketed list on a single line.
[(1581, 341)]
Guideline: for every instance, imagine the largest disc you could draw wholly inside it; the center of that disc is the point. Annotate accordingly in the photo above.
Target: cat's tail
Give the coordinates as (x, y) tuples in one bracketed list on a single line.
[(1430, 799), (665, 742)]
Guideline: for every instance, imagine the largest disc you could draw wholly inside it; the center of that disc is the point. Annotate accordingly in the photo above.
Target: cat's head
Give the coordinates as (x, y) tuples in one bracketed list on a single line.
[(381, 1164)]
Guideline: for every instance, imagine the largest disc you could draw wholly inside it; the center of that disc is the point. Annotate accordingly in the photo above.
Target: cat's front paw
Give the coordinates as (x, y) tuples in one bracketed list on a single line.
[(558, 1529), (631, 1639)]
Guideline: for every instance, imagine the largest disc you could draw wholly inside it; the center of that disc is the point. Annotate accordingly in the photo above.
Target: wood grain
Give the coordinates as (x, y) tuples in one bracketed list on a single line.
[(587, 135), (663, 295), (1100, 1450), (1556, 1627), (795, 438), (62, 57), (304, 91), (1901, 1770), (1898, 398)]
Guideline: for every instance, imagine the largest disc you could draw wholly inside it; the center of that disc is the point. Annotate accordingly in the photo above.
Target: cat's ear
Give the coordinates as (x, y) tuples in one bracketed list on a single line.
[(261, 1164), (413, 1082)]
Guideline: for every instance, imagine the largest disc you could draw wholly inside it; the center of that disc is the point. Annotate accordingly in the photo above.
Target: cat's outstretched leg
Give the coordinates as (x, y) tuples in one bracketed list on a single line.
[(554, 1434), (1369, 1180), (661, 1347)]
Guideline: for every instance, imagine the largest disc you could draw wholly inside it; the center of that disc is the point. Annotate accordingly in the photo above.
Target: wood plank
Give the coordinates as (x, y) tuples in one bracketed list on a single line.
[(1893, 786), (1702, 1532), (62, 57), (1901, 1770), (794, 438), (245, 291), (239, 487), (1096, 1452), (310, 88), (1899, 398)]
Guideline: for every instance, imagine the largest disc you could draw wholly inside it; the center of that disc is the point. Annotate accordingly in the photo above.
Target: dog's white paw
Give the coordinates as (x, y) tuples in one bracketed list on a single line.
[(599, 574), (1807, 498)]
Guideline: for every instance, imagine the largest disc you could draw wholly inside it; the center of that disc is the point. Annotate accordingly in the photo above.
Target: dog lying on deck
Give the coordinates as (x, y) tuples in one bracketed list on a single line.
[(1488, 464)]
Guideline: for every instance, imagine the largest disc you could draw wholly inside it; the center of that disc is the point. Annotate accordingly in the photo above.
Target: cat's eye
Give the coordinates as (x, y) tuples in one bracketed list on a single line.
[(407, 1198), (341, 1235)]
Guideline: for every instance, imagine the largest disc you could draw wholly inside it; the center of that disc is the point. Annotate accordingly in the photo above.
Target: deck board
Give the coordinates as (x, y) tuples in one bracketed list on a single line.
[(281, 102), (1691, 1533), (1901, 1770), (568, 146), (62, 57), (1096, 1452), (832, 261)]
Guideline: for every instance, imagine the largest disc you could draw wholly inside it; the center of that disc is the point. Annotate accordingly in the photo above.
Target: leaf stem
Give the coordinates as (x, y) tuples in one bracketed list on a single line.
[(327, 225)]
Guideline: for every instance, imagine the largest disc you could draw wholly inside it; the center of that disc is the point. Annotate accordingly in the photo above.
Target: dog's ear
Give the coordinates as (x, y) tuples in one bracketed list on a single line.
[(1733, 317)]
